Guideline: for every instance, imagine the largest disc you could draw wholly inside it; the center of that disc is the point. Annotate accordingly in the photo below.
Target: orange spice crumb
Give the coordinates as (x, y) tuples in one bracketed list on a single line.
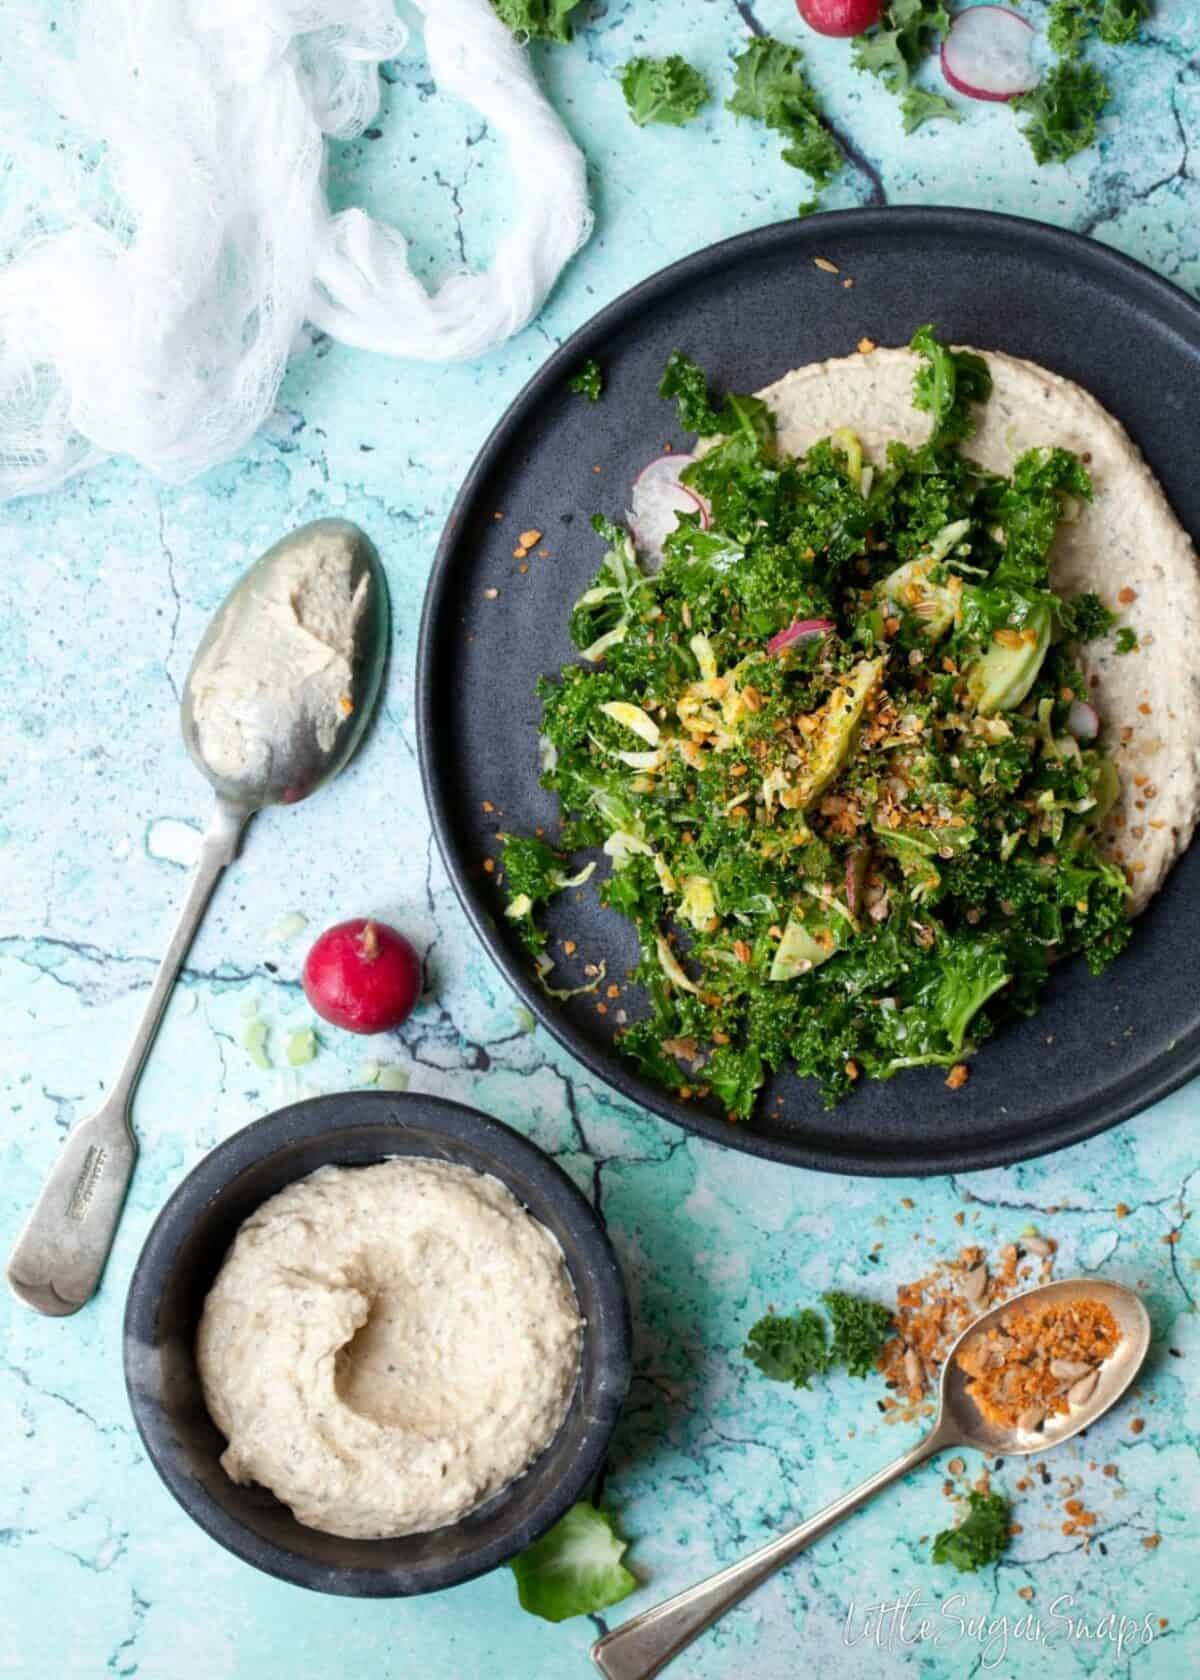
[(958, 1076), (1126, 595), (866, 345), (489, 866), (1136, 1426), (1023, 1369)]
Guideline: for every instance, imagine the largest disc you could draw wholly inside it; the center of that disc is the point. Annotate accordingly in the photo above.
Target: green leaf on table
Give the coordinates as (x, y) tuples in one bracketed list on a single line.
[(919, 106), (1073, 22), (860, 1328), (663, 90), (576, 1569), (541, 20), (771, 88), (1063, 110), (907, 31), (789, 1347), (981, 1538)]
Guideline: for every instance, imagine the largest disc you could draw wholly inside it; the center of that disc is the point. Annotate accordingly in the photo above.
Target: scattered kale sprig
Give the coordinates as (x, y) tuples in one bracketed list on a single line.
[(795, 1347), (539, 20), (771, 88), (980, 1538), (663, 90)]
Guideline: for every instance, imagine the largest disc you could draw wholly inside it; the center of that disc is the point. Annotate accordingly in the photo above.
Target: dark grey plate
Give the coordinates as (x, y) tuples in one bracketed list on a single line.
[(749, 310), (183, 1254)]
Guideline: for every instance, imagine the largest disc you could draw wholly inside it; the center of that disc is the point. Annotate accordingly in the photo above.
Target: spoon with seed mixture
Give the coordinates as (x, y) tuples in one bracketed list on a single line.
[(1021, 1379)]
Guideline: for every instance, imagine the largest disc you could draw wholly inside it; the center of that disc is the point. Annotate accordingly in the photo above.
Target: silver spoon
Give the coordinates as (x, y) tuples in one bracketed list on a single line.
[(645, 1645), (264, 717)]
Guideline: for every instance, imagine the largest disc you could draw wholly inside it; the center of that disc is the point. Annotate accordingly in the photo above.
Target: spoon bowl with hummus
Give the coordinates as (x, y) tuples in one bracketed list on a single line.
[(377, 1344)]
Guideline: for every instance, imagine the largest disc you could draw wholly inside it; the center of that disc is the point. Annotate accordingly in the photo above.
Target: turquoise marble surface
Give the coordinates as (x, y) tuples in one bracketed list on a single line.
[(105, 588)]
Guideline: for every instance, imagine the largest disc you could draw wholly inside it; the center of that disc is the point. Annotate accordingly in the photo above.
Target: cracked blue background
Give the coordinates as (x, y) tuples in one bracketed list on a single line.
[(106, 586)]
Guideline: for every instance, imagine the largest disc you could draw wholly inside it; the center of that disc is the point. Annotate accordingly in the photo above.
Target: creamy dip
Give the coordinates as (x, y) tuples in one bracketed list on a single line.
[(285, 654), (386, 1347)]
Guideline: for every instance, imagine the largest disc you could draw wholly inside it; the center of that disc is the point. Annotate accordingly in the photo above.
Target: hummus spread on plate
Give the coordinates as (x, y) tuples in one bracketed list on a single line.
[(1126, 544), (385, 1347)]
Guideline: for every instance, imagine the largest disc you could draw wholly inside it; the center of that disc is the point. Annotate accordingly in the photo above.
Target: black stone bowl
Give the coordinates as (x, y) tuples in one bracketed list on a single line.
[(181, 1258)]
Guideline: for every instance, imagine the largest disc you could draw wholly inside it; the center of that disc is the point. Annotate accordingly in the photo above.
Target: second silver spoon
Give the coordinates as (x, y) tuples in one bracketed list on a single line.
[(645, 1645)]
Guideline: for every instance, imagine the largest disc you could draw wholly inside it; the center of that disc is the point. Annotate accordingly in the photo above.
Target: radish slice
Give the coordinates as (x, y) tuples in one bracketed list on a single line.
[(1083, 720), (988, 54), (858, 860), (658, 500), (803, 630)]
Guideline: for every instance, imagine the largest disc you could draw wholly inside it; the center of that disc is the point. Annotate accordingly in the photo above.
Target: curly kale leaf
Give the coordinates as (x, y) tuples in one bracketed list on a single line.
[(906, 32), (687, 384), (1030, 508), (771, 88), (1087, 617), (540, 20), (980, 1538), (919, 106), (946, 387), (1063, 110), (663, 90), (796, 1347), (1073, 22), (588, 382), (789, 1348), (860, 1328)]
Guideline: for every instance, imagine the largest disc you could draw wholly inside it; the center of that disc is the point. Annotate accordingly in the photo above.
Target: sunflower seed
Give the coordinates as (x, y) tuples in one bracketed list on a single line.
[(1081, 1392), (975, 1285), (1030, 1418), (913, 1370), (1038, 1246), (1069, 1368)]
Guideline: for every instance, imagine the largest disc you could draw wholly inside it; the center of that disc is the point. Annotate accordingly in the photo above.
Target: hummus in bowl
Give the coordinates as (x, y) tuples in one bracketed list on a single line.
[(385, 1347), (273, 1233)]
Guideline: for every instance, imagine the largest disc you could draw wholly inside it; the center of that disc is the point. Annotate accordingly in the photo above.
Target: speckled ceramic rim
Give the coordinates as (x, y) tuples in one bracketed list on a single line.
[(1067, 1122), (458, 1130)]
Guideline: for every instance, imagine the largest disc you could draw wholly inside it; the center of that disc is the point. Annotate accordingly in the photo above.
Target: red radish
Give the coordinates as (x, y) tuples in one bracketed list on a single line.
[(658, 499), (988, 54), (1083, 720), (840, 17), (803, 630), (363, 976)]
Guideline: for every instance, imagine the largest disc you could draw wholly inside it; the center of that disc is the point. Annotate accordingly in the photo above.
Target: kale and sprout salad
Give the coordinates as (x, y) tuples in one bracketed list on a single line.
[(837, 752)]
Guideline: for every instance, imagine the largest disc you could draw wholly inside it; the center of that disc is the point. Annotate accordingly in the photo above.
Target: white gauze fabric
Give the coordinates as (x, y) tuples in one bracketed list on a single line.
[(160, 264)]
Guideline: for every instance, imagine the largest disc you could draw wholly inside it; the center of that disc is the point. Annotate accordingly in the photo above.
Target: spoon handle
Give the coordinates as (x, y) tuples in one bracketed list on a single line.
[(57, 1260), (645, 1645)]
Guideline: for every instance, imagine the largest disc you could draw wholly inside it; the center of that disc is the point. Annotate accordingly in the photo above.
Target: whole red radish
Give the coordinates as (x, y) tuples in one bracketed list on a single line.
[(840, 17), (363, 976)]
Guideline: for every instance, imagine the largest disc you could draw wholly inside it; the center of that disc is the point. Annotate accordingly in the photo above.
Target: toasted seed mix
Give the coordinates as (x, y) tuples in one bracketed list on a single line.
[(1024, 1368)]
